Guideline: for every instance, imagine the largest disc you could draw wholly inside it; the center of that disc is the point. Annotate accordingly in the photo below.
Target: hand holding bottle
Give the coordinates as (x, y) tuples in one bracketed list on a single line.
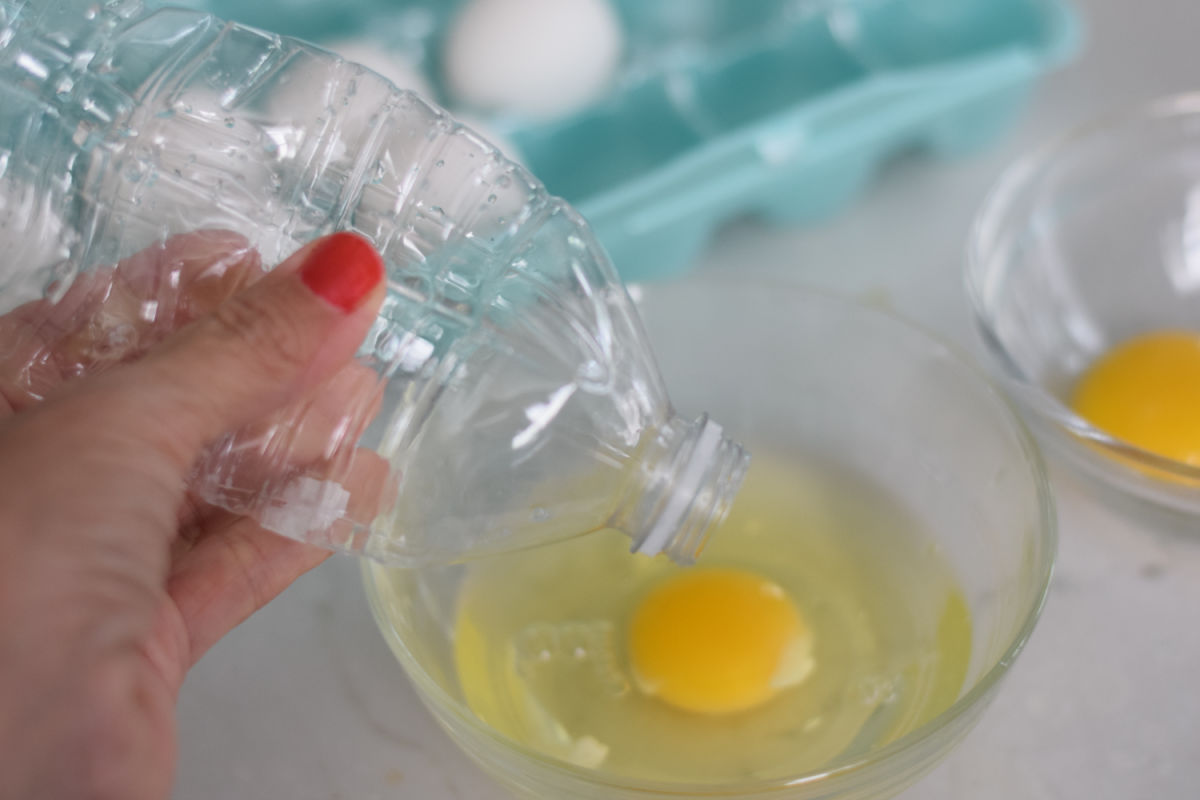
[(112, 581)]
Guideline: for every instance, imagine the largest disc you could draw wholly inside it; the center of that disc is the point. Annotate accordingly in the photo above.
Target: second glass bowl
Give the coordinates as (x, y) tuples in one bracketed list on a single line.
[(1081, 246)]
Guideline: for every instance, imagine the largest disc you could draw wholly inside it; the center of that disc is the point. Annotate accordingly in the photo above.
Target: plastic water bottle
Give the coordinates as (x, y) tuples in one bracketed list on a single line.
[(509, 397)]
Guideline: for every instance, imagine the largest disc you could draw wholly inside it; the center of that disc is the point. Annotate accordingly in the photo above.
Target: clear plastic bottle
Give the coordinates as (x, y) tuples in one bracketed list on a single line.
[(505, 395)]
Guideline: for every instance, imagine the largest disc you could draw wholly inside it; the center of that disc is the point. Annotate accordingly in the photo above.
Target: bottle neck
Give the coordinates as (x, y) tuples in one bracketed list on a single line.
[(688, 476)]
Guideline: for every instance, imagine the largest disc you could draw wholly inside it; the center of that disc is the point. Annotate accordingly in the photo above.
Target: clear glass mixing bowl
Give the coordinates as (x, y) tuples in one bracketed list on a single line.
[(804, 370), (1089, 242)]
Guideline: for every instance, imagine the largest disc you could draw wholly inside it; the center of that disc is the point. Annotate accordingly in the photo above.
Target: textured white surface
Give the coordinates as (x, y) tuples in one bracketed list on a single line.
[(305, 701)]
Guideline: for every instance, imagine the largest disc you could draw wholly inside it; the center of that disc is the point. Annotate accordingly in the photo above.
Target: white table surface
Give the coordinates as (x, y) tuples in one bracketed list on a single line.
[(305, 700)]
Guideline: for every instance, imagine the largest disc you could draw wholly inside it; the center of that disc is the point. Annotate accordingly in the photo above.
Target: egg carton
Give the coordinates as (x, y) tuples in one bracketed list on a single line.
[(781, 109)]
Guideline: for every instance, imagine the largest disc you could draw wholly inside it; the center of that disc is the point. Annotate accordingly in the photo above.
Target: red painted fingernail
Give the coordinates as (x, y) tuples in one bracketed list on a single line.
[(343, 268)]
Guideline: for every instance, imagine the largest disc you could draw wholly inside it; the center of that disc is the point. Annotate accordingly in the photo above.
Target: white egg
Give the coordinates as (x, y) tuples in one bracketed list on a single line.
[(33, 237), (394, 66), (312, 87), (497, 140), (540, 58), (311, 92)]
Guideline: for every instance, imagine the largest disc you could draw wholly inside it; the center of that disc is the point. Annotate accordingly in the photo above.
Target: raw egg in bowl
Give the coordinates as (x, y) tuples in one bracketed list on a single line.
[(881, 568), (1084, 277)]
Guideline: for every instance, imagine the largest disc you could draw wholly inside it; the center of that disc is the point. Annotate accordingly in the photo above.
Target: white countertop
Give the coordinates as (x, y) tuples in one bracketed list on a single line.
[(305, 700)]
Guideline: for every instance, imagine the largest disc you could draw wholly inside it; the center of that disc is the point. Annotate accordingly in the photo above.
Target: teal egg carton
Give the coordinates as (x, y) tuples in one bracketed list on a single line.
[(781, 109)]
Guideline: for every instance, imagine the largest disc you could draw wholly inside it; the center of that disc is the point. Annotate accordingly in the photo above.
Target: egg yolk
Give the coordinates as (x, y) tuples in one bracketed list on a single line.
[(1147, 392), (718, 640)]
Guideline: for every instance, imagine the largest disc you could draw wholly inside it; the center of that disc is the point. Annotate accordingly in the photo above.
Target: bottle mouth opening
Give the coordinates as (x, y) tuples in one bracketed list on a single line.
[(708, 474)]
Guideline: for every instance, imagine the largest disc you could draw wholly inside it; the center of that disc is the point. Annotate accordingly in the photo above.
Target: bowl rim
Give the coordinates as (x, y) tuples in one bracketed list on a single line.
[(973, 699), (1025, 176)]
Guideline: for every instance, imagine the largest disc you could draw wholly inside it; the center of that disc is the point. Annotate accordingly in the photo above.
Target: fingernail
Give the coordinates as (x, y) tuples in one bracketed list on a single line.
[(343, 269)]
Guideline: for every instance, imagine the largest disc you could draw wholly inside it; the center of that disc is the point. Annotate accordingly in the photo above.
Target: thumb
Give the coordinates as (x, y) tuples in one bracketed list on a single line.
[(265, 346)]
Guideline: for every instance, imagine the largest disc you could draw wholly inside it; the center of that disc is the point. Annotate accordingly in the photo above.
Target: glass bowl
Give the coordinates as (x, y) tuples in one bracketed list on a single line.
[(1089, 242), (783, 365)]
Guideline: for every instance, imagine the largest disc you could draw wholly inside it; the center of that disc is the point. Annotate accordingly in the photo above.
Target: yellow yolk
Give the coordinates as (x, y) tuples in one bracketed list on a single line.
[(718, 640), (1147, 392)]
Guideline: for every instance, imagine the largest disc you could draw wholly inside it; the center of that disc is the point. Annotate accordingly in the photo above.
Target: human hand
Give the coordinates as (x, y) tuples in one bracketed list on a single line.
[(112, 582)]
